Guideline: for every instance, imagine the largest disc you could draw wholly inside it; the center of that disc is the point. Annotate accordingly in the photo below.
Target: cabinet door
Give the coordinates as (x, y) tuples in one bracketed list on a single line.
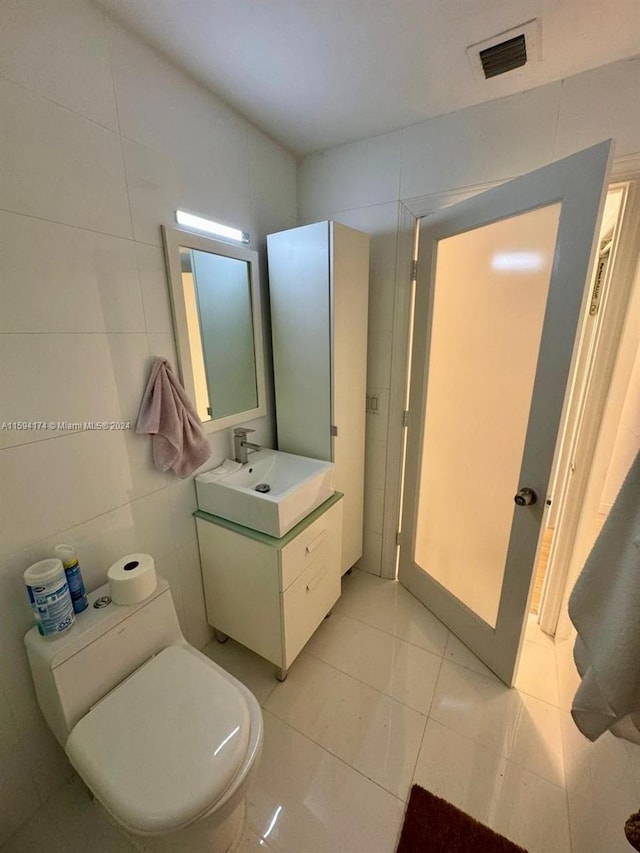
[(300, 323), (350, 298), (241, 589)]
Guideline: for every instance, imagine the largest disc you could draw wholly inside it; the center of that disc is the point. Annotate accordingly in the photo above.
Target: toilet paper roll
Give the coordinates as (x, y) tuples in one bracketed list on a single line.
[(132, 578)]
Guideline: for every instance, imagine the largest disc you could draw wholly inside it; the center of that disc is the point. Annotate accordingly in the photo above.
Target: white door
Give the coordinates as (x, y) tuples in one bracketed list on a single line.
[(499, 298)]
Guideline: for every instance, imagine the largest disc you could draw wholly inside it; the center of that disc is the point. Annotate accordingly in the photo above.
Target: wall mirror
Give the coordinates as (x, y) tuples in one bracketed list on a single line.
[(215, 298)]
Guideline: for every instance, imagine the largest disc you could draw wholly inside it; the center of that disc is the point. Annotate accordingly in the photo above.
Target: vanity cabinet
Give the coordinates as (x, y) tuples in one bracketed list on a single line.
[(319, 286), (271, 594)]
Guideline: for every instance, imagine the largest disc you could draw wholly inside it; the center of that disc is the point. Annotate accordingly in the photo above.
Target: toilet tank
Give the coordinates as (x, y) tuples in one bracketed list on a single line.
[(71, 673)]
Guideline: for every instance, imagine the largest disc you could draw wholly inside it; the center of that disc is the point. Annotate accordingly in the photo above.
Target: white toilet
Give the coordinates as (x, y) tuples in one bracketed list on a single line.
[(163, 737)]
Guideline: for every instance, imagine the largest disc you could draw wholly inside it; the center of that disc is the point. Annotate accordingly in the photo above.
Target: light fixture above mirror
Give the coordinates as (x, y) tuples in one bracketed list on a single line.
[(208, 226), (215, 298)]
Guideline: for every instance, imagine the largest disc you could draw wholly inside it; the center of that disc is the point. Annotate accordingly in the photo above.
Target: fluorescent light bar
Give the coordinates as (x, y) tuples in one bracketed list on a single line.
[(211, 227)]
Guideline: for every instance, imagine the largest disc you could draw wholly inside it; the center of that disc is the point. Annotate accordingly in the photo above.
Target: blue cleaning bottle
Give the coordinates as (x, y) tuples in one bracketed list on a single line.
[(69, 557)]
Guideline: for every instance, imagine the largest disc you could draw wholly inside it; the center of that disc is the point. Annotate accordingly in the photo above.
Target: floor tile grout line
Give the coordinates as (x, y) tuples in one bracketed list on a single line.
[(428, 716), (268, 696), (565, 762), (424, 730), (389, 633), (224, 664), (335, 755), (345, 615), (305, 653), (538, 698), (497, 752), (488, 674), (435, 687), (316, 656), (44, 804)]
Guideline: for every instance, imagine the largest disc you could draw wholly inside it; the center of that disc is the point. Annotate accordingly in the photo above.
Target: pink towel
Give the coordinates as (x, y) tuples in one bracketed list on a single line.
[(166, 413)]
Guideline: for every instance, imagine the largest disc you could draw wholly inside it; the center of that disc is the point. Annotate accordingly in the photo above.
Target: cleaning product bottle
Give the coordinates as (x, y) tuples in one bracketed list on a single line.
[(48, 591), (69, 557)]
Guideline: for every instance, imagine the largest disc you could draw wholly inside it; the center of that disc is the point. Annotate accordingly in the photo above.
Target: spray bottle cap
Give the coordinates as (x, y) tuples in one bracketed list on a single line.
[(68, 555)]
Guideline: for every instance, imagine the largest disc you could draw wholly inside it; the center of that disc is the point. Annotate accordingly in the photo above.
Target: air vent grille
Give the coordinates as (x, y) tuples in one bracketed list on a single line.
[(504, 57)]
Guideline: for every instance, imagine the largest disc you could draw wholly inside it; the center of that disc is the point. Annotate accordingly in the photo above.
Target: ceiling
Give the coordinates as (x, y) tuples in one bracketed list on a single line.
[(316, 73)]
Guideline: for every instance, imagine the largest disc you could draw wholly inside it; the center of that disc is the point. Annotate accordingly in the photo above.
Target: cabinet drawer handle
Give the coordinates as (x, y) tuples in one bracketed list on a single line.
[(311, 546), (315, 580)]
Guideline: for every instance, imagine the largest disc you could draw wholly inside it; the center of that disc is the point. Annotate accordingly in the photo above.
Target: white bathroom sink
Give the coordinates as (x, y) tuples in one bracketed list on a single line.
[(296, 486)]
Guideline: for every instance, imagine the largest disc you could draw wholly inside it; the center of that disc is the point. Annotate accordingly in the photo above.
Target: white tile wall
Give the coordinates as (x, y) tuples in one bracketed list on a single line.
[(273, 184), (91, 279), (160, 107), (362, 174), (156, 302), (381, 298), (102, 140), (597, 105), (159, 183), (381, 222), (371, 559), (493, 141), (373, 510), (45, 394), (379, 360), (62, 55), (375, 451), (60, 166)]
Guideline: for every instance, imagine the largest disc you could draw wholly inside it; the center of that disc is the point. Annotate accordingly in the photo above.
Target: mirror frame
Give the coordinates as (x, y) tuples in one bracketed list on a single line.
[(173, 240)]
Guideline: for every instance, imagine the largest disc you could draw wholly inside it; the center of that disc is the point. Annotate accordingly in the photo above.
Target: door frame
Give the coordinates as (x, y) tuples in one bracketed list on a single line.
[(582, 498), (411, 211), (591, 403), (553, 610)]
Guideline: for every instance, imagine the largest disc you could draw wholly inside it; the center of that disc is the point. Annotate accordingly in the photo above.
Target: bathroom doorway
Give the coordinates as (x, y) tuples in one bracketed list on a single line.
[(597, 455), (599, 426), (592, 329), (486, 388)]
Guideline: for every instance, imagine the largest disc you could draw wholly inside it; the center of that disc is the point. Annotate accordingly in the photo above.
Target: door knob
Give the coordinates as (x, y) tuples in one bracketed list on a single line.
[(525, 497)]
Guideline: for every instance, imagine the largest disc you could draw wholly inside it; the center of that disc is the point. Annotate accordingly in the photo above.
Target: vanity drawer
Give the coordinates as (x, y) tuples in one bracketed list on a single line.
[(320, 539), (307, 602)]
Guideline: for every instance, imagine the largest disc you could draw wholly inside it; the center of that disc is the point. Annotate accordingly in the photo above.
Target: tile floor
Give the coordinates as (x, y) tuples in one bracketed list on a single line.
[(382, 696)]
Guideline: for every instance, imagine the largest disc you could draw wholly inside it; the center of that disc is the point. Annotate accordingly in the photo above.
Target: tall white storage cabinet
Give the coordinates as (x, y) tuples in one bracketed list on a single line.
[(319, 287)]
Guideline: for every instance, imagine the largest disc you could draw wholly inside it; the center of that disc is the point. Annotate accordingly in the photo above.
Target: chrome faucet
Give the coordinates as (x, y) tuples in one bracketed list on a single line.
[(241, 446)]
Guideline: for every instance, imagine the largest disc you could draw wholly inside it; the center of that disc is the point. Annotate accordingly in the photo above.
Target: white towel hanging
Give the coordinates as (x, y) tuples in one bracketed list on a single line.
[(605, 609)]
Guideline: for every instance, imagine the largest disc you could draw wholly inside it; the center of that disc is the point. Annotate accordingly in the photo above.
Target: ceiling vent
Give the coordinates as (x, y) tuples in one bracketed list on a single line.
[(506, 51), (504, 56)]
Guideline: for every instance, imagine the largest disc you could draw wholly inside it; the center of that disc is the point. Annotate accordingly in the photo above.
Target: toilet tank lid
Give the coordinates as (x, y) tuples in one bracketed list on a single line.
[(87, 627), (163, 747)]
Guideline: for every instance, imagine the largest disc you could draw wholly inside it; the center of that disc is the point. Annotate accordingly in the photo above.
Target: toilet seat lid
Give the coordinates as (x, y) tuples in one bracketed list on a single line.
[(162, 748)]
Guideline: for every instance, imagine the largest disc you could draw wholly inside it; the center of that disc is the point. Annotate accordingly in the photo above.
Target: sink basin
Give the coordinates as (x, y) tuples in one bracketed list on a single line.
[(296, 486)]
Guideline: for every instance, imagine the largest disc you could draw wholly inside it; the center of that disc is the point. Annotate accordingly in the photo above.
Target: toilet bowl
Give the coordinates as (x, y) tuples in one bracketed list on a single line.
[(163, 737)]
